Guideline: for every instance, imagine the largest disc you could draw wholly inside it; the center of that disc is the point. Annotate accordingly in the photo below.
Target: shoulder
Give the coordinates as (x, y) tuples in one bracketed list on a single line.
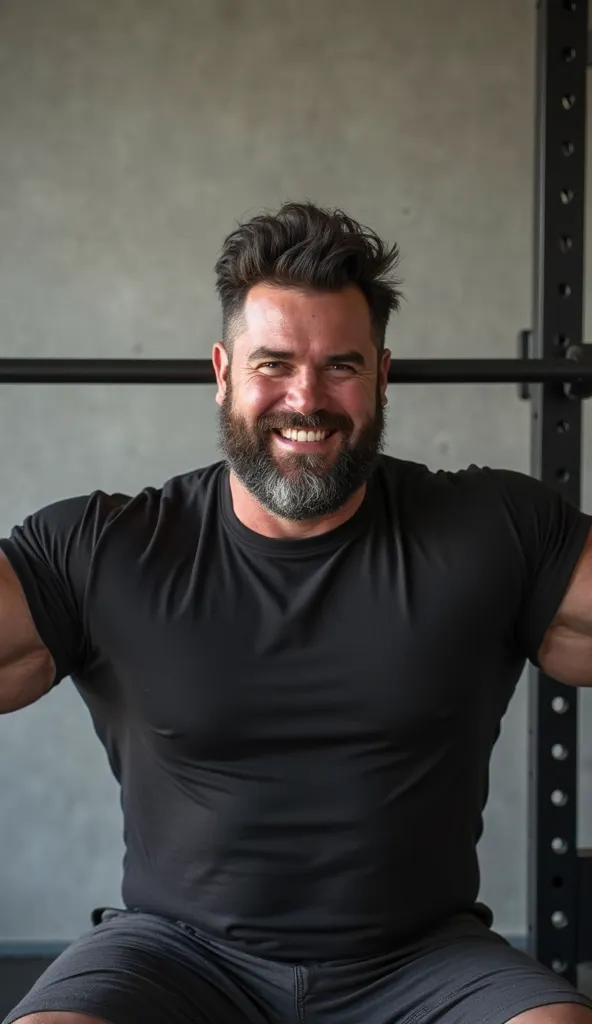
[(184, 497), (198, 485), (414, 478), (417, 481), (190, 492), (86, 518), (472, 495), (167, 514)]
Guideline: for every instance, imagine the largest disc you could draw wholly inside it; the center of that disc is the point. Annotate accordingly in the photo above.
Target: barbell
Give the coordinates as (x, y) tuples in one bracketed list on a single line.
[(567, 370)]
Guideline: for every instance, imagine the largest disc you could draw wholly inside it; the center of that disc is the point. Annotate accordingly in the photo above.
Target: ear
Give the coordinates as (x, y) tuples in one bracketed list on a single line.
[(221, 369), (383, 370)]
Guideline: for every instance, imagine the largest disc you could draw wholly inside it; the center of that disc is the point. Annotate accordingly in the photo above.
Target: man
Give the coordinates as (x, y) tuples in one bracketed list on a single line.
[(297, 660)]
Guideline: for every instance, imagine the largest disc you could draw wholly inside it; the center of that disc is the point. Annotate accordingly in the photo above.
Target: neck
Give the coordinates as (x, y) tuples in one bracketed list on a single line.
[(257, 518)]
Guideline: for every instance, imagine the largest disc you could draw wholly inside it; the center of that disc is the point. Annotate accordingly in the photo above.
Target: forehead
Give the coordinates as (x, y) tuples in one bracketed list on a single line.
[(305, 319)]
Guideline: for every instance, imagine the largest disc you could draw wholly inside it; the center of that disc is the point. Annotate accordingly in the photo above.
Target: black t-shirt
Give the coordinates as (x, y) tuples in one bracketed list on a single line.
[(301, 729)]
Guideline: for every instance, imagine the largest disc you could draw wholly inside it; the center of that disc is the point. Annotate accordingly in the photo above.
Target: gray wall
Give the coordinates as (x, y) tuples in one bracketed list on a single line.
[(132, 135)]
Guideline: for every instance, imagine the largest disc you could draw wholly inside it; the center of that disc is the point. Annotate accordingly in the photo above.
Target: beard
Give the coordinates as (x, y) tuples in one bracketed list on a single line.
[(299, 487)]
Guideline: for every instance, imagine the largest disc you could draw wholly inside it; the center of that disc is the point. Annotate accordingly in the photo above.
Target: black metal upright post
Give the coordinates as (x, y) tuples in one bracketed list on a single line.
[(562, 38)]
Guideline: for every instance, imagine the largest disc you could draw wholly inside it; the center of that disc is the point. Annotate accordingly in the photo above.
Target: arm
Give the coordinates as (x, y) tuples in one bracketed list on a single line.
[(44, 568), (549, 564), (566, 651), (27, 669)]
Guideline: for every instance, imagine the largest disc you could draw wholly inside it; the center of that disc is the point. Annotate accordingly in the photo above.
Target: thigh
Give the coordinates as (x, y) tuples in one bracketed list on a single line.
[(462, 974), (138, 967)]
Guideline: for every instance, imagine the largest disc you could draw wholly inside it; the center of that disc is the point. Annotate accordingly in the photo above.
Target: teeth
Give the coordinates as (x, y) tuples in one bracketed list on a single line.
[(304, 435)]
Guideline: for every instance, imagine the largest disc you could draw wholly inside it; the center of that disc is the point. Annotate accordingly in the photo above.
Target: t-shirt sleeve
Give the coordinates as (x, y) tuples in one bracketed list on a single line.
[(51, 553), (551, 534)]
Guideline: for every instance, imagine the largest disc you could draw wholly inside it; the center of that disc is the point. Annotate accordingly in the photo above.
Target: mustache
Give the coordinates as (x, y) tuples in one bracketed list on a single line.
[(316, 421)]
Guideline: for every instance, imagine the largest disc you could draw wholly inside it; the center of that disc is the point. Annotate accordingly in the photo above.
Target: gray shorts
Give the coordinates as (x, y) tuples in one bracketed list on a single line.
[(136, 967)]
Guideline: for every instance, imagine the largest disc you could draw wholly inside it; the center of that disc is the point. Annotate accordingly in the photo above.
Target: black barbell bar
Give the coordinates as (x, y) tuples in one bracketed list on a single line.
[(200, 371)]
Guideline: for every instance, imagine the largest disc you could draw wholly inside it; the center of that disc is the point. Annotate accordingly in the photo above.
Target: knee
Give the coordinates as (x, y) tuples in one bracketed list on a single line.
[(58, 1017), (556, 1013)]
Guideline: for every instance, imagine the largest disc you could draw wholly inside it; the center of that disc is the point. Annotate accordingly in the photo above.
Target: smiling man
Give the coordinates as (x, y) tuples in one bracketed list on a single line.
[(301, 422), (298, 660)]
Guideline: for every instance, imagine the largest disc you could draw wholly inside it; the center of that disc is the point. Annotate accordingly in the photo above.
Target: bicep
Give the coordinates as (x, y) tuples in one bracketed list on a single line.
[(566, 650), (26, 666), (567, 657), (575, 611), (50, 555)]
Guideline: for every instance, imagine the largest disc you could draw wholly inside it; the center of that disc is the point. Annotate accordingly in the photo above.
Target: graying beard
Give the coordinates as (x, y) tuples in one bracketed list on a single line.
[(300, 498)]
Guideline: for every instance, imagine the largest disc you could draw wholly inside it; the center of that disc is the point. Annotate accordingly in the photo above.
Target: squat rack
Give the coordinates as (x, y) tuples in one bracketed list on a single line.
[(560, 876), (554, 370)]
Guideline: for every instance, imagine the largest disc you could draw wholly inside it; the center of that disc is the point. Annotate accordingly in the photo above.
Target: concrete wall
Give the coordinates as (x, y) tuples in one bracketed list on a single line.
[(132, 136)]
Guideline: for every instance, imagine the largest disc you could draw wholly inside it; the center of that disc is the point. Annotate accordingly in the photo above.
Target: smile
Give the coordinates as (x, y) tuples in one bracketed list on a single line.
[(307, 436)]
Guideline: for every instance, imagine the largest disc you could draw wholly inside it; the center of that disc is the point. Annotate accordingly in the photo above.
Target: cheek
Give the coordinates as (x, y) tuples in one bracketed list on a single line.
[(357, 401), (255, 397)]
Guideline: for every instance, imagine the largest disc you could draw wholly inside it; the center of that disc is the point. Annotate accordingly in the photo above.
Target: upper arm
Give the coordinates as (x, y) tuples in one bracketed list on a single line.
[(26, 666), (566, 651), (549, 540), (575, 611), (44, 567)]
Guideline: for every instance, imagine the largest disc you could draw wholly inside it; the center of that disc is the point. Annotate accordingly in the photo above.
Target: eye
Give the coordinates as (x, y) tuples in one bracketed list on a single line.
[(341, 368), (271, 368)]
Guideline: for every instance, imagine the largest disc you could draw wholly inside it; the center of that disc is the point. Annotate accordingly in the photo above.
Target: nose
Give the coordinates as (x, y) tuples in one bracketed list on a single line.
[(305, 392)]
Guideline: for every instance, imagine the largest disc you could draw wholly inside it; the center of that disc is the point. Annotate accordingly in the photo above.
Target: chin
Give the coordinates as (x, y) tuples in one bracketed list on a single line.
[(296, 465)]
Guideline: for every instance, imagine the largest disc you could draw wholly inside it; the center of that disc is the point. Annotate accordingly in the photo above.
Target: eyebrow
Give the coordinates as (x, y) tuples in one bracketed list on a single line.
[(352, 356)]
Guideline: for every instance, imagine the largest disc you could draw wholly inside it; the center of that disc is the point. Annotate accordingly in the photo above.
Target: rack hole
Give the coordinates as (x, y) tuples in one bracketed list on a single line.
[(560, 705), (568, 101), (568, 148), (570, 5), (559, 845), (559, 752), (565, 290), (557, 882), (566, 195), (562, 428), (566, 243), (562, 341), (558, 965), (569, 54), (558, 798)]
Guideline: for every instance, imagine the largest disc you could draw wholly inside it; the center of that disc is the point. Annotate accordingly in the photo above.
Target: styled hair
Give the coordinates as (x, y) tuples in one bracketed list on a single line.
[(306, 246)]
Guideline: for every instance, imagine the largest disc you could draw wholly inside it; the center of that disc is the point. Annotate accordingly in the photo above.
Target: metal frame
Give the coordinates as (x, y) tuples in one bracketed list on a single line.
[(557, 366), (560, 168), (574, 370)]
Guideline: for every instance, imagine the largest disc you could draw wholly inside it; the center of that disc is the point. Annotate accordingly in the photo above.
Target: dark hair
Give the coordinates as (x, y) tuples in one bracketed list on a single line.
[(306, 246)]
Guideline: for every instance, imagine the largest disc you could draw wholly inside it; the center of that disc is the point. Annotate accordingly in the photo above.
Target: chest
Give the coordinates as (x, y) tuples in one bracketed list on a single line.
[(233, 654)]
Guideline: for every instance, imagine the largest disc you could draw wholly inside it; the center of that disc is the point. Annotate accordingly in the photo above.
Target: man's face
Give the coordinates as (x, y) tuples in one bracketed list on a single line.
[(301, 419)]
